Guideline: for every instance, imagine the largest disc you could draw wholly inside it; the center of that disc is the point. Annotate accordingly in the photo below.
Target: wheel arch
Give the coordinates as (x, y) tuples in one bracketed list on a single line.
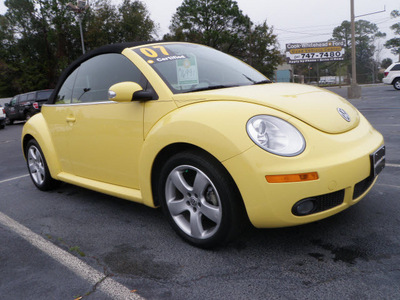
[(172, 149), (395, 79), (201, 127), (37, 129), (175, 148)]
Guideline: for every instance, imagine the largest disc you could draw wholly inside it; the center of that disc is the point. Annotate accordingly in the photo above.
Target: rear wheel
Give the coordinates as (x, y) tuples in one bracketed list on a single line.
[(200, 199), (9, 121), (28, 116), (396, 84), (37, 167)]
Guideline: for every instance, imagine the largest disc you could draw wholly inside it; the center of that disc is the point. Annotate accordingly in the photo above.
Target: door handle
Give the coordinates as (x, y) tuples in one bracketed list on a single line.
[(71, 119)]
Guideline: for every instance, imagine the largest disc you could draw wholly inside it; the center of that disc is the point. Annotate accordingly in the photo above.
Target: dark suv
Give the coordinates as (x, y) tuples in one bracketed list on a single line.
[(24, 106)]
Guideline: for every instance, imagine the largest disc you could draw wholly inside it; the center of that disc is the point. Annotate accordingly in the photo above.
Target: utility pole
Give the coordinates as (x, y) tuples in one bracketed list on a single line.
[(354, 90)]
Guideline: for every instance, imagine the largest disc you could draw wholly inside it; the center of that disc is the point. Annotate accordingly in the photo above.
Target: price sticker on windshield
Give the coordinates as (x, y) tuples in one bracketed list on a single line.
[(187, 71)]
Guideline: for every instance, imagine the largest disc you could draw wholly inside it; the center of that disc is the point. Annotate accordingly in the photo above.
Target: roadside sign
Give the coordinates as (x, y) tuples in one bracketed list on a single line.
[(315, 52)]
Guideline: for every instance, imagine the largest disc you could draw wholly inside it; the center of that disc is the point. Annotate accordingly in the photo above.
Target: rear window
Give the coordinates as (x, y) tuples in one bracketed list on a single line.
[(396, 68), (31, 96), (44, 95)]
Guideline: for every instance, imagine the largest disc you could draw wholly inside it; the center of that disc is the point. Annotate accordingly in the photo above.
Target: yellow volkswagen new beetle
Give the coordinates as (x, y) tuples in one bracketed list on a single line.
[(203, 135)]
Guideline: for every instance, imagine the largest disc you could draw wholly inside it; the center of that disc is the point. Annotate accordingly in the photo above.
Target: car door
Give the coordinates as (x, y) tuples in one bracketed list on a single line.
[(20, 107), (104, 137)]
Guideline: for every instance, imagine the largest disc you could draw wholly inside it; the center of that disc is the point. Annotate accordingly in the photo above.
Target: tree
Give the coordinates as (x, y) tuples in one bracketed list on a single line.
[(222, 25), (107, 24), (386, 63), (262, 49), (394, 43), (366, 34), (39, 38), (216, 23)]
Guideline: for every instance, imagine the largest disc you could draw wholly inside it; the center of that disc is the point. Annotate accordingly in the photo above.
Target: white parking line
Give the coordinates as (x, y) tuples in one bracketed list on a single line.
[(109, 286), (393, 165), (14, 178), (388, 185)]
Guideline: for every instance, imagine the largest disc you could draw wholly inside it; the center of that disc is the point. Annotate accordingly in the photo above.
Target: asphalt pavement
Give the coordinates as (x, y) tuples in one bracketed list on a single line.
[(72, 242)]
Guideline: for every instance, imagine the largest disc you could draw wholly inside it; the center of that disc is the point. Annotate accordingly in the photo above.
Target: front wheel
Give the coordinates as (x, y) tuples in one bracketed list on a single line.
[(396, 84), (200, 199), (37, 167)]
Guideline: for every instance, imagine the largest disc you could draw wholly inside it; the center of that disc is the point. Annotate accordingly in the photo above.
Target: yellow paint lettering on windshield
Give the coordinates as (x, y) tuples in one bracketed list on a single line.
[(149, 52), (152, 53), (162, 49)]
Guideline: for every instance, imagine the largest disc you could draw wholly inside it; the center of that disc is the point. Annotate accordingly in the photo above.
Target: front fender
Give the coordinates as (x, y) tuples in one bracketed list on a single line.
[(36, 127), (218, 127)]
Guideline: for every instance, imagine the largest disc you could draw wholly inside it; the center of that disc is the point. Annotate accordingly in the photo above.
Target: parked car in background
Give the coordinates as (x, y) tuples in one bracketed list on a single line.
[(2, 117), (392, 75), (24, 106)]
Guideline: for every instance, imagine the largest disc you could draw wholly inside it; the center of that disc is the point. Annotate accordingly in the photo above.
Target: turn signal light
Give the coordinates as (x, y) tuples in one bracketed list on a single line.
[(292, 177)]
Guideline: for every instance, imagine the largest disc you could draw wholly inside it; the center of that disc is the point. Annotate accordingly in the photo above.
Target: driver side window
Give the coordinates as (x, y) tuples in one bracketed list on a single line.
[(99, 73), (92, 79)]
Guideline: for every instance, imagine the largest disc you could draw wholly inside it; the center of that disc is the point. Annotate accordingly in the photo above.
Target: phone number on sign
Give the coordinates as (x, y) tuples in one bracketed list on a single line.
[(318, 55)]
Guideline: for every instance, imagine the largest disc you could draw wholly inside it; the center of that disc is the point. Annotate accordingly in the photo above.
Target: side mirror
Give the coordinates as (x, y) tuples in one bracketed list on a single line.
[(6, 104), (127, 91)]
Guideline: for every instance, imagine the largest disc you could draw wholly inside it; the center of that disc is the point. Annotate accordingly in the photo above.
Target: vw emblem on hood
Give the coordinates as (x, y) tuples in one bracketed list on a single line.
[(344, 114)]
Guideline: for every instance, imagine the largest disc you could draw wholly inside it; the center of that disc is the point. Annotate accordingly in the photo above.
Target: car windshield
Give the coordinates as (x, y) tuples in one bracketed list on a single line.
[(190, 67)]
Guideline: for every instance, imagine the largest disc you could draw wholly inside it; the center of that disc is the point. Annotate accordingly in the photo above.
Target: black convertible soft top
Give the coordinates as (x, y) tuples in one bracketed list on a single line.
[(112, 48)]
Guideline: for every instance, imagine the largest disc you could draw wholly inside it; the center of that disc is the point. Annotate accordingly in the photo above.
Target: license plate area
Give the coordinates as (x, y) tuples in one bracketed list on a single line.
[(378, 161)]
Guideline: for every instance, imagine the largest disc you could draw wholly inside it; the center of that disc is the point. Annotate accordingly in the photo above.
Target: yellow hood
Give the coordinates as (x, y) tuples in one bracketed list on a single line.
[(317, 107)]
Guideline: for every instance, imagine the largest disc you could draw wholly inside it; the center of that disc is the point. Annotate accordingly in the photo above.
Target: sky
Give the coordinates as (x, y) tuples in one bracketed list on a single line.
[(293, 21)]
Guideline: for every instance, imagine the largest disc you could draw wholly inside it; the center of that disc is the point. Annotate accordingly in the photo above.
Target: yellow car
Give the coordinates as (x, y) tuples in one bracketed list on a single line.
[(203, 135)]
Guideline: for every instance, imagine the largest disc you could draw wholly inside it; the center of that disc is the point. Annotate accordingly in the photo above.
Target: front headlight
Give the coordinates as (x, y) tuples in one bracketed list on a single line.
[(275, 135)]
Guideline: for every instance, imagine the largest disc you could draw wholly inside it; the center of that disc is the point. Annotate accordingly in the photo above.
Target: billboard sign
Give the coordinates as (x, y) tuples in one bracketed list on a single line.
[(314, 52)]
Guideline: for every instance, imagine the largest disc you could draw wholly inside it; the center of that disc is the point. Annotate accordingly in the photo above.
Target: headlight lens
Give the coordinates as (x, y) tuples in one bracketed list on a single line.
[(275, 135)]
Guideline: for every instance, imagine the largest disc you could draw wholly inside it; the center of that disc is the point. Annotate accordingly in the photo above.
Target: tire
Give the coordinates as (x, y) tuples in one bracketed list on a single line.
[(3, 125), (396, 84), (37, 167), (9, 121), (200, 199), (28, 116)]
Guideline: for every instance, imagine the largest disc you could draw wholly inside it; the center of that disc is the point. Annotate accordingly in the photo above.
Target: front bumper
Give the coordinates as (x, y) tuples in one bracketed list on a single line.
[(341, 160)]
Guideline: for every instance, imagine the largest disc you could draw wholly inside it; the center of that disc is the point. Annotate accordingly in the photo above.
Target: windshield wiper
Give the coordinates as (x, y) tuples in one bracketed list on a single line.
[(263, 81), (211, 87)]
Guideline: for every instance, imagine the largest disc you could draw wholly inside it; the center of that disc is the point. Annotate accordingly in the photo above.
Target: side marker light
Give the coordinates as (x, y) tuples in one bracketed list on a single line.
[(292, 177)]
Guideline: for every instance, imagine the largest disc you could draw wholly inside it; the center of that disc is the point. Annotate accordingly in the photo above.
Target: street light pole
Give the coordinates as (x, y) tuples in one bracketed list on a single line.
[(79, 17), (79, 9)]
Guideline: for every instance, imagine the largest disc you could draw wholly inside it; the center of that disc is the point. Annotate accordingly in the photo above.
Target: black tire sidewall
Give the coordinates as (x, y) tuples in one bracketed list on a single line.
[(228, 228)]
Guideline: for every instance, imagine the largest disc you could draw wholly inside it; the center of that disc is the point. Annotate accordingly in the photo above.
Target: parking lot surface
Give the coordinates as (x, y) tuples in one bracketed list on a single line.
[(72, 242)]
